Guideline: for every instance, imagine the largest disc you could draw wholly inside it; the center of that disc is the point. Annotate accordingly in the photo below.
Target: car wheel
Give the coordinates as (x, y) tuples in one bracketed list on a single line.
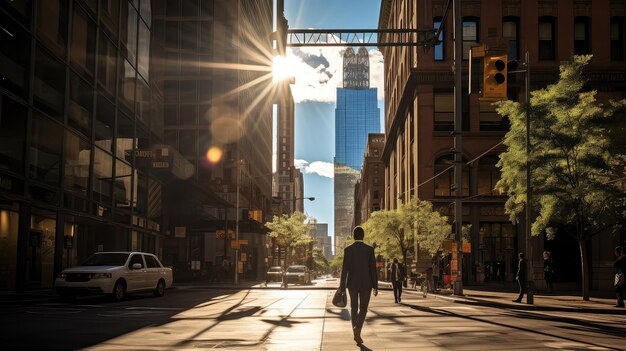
[(119, 291), (160, 289)]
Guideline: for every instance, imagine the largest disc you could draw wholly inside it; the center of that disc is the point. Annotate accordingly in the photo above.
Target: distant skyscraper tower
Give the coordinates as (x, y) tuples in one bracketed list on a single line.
[(357, 114)]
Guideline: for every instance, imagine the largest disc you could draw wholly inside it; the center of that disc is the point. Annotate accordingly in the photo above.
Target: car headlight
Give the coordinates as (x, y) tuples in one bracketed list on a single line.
[(100, 275), (62, 275)]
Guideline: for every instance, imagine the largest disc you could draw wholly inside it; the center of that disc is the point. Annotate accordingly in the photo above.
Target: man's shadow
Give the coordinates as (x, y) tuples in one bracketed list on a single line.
[(362, 347)]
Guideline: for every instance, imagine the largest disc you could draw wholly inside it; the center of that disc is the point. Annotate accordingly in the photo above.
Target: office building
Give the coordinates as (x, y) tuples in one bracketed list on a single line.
[(356, 115), (419, 118)]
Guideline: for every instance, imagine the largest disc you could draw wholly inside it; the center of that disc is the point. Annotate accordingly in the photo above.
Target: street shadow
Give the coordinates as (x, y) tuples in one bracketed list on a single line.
[(520, 328), (524, 307), (344, 314)]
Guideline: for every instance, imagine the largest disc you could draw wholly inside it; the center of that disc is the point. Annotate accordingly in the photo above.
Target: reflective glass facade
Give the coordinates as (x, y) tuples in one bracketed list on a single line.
[(357, 114)]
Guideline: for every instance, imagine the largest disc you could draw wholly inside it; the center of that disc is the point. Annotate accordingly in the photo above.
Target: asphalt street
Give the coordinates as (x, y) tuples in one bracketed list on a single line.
[(298, 319)]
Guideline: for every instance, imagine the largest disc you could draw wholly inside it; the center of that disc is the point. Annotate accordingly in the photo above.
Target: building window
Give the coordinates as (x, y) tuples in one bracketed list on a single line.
[(581, 36), (510, 30), (490, 120), (617, 38), (470, 35), (52, 25), (77, 159), (443, 183), (488, 176), (49, 85), (83, 45), (546, 38), (12, 134), (45, 150), (439, 48), (443, 111)]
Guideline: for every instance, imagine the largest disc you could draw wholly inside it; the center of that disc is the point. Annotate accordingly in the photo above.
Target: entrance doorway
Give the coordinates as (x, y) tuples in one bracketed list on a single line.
[(40, 252)]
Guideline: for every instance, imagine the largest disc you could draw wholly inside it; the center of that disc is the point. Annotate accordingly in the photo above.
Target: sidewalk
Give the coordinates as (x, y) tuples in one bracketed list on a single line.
[(564, 302)]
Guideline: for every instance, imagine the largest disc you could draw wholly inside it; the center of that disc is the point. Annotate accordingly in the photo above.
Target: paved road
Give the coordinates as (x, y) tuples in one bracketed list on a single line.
[(298, 319)]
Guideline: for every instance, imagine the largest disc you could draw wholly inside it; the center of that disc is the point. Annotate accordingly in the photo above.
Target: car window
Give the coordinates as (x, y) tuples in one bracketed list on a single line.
[(106, 259), (295, 269), (135, 259), (151, 261), (275, 269)]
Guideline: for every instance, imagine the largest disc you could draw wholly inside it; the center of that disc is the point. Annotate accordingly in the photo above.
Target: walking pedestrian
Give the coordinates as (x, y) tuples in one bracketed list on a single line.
[(620, 272), (358, 274), (396, 276), (521, 277), (436, 274), (548, 270)]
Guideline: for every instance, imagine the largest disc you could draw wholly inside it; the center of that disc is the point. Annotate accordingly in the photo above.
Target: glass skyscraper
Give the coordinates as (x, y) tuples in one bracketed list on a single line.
[(356, 115)]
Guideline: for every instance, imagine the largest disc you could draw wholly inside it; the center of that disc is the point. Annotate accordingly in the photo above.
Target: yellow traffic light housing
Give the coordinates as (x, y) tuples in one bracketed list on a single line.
[(495, 77)]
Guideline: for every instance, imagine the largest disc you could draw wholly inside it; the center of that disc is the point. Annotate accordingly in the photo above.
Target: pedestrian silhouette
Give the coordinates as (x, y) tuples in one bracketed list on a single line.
[(521, 277), (358, 274)]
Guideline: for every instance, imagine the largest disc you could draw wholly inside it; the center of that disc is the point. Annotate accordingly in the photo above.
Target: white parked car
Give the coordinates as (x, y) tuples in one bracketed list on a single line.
[(116, 274)]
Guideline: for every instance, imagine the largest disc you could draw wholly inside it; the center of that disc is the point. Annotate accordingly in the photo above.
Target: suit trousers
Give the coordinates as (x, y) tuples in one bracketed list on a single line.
[(522, 289), (397, 290), (359, 301)]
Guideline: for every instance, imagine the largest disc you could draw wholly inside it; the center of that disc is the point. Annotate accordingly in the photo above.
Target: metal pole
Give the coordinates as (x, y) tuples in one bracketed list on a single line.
[(530, 298), (237, 226), (458, 155)]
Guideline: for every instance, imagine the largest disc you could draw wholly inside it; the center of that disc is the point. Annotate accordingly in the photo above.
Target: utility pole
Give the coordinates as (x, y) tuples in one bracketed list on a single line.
[(458, 151), (237, 224), (530, 293)]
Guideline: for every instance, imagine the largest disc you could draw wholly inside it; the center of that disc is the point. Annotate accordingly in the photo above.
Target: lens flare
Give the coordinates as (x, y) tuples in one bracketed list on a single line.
[(214, 155), (282, 69)]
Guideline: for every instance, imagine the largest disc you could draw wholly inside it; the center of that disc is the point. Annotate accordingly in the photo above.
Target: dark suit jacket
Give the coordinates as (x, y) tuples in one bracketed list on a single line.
[(521, 270), (359, 267), (391, 273)]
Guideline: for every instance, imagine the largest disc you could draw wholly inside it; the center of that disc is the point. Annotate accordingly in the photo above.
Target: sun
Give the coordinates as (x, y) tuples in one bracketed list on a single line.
[(282, 69)]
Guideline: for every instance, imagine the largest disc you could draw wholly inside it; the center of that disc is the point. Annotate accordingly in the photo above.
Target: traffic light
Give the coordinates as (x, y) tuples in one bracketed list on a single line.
[(495, 77)]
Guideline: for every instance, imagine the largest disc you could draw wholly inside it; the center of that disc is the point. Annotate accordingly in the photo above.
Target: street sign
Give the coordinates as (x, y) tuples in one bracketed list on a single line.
[(180, 232), (243, 257), (236, 244)]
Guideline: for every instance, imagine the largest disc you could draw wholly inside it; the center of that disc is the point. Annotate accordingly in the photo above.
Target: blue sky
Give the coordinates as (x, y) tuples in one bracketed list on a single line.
[(318, 74)]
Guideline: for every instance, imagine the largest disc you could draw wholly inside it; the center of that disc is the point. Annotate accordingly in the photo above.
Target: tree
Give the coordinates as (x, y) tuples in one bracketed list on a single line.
[(386, 229), (575, 176), (320, 263), (431, 227), (290, 231)]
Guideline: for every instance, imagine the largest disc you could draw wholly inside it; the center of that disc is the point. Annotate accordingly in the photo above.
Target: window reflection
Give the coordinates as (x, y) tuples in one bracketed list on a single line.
[(83, 43), (127, 86), (12, 132), (129, 33), (107, 65), (14, 56), (80, 105), (102, 175), (52, 25), (77, 159), (143, 63), (45, 150), (49, 85)]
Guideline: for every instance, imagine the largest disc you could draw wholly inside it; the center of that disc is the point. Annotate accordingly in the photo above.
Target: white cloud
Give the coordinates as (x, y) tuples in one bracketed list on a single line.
[(319, 72), (324, 169)]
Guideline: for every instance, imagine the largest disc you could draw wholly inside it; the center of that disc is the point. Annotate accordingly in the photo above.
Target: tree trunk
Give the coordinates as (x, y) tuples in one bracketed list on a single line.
[(585, 268)]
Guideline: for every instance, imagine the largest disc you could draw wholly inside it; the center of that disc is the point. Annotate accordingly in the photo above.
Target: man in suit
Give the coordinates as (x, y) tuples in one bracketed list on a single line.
[(521, 277), (358, 274), (396, 276)]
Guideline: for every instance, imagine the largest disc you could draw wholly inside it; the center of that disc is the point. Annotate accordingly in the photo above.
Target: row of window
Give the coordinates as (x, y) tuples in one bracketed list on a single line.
[(87, 168), (487, 177), (443, 113), (547, 37)]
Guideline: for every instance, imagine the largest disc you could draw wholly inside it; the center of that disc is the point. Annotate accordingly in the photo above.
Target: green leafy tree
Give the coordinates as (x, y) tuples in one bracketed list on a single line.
[(386, 229), (291, 231), (431, 227), (575, 176), (320, 263)]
